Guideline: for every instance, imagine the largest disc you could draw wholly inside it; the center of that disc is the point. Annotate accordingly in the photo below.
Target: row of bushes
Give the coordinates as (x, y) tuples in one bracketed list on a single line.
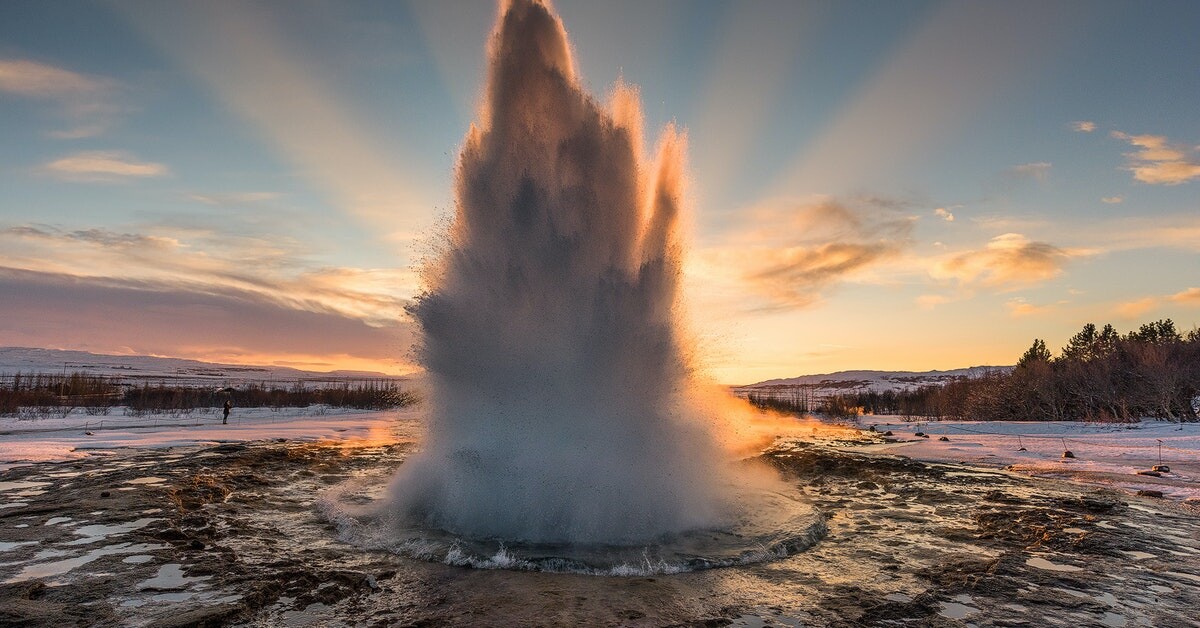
[(35, 395), (1100, 375)]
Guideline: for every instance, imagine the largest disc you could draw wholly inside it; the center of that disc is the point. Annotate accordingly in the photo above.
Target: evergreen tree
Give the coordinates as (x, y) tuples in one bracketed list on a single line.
[(1036, 354), (1162, 331), (1082, 345)]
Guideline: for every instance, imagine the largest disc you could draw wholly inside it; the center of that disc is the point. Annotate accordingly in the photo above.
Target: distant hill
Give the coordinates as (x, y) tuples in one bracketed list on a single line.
[(818, 386), (27, 360)]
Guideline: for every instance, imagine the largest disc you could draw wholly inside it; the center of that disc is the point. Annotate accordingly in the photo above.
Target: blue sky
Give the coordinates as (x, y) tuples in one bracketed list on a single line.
[(874, 185)]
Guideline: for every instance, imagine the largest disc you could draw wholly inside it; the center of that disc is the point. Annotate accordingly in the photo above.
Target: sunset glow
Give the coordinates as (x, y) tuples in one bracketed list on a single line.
[(904, 186)]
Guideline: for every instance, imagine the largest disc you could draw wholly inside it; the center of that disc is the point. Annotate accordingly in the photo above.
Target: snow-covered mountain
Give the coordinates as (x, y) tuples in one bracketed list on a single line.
[(817, 386), (26, 360)]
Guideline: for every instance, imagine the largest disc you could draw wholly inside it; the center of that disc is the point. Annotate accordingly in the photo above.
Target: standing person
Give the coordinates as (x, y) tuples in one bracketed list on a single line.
[(228, 407)]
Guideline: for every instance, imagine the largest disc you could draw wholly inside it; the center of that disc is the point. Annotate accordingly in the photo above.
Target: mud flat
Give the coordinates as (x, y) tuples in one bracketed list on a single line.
[(233, 535)]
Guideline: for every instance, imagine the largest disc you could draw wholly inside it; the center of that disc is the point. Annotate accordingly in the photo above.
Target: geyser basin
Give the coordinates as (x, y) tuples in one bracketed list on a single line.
[(561, 391), (769, 525)]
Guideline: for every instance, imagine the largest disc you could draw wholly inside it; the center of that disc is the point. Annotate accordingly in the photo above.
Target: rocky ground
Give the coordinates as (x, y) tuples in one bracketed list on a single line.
[(231, 535)]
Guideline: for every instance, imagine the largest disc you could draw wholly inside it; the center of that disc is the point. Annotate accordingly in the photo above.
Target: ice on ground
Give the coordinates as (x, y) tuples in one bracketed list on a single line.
[(1104, 454), (60, 439)]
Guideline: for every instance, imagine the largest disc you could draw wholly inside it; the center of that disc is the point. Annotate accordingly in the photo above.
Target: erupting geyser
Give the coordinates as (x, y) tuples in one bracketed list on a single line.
[(559, 382)]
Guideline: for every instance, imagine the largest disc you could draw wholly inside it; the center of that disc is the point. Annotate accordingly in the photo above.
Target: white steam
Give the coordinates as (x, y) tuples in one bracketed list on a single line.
[(561, 391)]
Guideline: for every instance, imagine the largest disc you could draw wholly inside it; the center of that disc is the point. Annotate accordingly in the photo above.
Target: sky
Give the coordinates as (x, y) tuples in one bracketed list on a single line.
[(900, 186)]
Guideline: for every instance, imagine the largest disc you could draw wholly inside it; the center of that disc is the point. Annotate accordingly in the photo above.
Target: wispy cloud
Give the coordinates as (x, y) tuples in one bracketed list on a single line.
[(1113, 200), (38, 80), (1136, 308), (930, 301), (233, 199), (103, 166), (88, 102), (1158, 161), (212, 261), (1173, 231), (1010, 259), (108, 314), (1037, 171), (1083, 126), (792, 253), (944, 214)]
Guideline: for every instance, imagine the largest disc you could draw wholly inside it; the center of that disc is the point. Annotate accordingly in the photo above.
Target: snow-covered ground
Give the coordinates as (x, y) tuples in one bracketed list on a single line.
[(1104, 454), (78, 434)]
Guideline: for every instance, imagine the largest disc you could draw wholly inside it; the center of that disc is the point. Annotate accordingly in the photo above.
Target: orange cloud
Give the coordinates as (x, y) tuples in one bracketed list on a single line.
[(103, 166), (1083, 126), (1135, 309), (1009, 259), (1019, 307), (791, 253), (1190, 296), (930, 301), (1158, 161)]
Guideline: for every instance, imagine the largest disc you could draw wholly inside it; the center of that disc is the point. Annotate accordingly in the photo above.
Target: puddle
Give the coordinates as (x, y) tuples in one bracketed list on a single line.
[(18, 485), (1115, 620), (1185, 576), (11, 545), (169, 578), (60, 567), (146, 480), (898, 597), (1138, 555), (138, 559), (14, 505), (1042, 563), (53, 521), (954, 610), (99, 532)]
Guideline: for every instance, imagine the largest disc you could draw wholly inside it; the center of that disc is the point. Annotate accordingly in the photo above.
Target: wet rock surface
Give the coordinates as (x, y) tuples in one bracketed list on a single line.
[(230, 535)]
